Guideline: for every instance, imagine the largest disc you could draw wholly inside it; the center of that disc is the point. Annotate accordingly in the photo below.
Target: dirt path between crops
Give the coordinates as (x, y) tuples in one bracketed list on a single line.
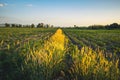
[(73, 41)]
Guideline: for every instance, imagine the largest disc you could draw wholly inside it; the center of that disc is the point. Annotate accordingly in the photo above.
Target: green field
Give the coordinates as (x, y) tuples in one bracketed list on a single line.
[(59, 54), (107, 40)]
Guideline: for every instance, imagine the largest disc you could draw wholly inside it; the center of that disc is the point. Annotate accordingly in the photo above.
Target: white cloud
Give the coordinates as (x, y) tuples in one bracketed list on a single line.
[(3, 4), (29, 5)]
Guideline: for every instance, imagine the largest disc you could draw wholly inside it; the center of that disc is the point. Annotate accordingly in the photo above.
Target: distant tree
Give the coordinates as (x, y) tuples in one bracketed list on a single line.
[(7, 25), (27, 26), (13, 25), (20, 25), (107, 26), (32, 25), (52, 26), (40, 25), (47, 26), (24, 26), (75, 26), (114, 25), (111, 26), (96, 27), (16, 25)]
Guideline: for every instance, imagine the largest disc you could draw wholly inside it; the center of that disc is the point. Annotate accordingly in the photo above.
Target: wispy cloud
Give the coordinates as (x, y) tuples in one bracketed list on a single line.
[(29, 5), (3, 4)]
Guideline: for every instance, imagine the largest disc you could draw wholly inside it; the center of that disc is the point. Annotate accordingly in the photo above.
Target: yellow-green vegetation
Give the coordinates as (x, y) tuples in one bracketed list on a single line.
[(55, 58), (50, 56), (89, 64)]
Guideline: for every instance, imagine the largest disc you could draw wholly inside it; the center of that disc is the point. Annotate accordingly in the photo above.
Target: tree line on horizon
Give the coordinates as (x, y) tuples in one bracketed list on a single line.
[(111, 26), (39, 25), (42, 25)]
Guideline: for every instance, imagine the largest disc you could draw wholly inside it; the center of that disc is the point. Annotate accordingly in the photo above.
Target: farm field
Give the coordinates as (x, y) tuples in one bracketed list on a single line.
[(107, 40), (59, 54)]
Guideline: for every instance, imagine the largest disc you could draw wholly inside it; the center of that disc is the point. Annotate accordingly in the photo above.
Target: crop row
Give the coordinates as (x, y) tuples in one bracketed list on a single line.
[(107, 40), (15, 38)]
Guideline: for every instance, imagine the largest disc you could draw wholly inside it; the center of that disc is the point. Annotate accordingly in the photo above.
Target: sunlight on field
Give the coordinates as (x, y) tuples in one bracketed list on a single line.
[(54, 46), (57, 41)]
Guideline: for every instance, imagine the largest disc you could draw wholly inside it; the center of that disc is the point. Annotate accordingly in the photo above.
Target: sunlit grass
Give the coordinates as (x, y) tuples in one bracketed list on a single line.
[(90, 64)]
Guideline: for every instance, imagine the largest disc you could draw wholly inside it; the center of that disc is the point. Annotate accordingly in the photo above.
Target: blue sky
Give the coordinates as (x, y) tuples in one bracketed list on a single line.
[(60, 12)]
